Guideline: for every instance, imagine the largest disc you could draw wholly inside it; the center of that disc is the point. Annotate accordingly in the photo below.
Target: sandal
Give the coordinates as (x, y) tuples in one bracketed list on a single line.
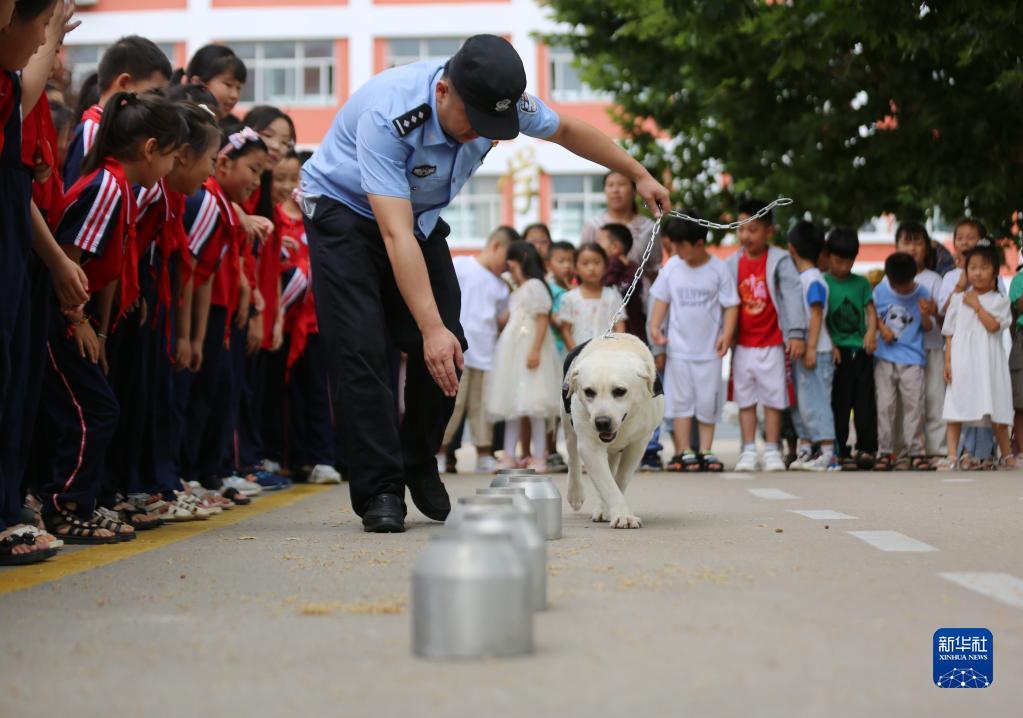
[(865, 461), (12, 541), (945, 464), (138, 519), (848, 463), (72, 529), (236, 497), (107, 519), (902, 464), (39, 535), (969, 463), (883, 462), (1007, 463), (711, 463), (674, 464), (921, 463)]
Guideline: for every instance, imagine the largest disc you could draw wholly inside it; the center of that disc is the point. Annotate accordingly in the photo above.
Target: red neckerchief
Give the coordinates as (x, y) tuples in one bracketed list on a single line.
[(94, 113), (39, 143), (120, 259)]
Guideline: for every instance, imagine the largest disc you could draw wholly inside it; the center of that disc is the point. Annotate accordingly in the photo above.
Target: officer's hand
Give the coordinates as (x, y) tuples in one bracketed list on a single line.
[(443, 354), (654, 195)]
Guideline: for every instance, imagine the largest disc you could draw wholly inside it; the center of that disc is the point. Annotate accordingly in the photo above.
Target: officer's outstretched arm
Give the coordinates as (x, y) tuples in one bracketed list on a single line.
[(588, 142), (441, 349)]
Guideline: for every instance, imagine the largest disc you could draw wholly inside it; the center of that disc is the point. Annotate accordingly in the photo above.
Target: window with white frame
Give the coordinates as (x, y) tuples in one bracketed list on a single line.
[(475, 212), (405, 50), (575, 199), (83, 60), (291, 72), (565, 83)]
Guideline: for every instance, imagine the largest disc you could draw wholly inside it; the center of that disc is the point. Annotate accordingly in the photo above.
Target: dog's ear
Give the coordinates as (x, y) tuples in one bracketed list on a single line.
[(571, 383), (648, 376)]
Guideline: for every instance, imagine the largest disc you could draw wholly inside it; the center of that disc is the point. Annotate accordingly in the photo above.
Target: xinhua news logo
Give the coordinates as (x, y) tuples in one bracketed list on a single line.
[(964, 658)]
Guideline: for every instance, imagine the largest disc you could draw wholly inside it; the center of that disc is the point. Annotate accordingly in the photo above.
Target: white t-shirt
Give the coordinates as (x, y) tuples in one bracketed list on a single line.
[(696, 297), (815, 291), (484, 299), (931, 281), (588, 317)]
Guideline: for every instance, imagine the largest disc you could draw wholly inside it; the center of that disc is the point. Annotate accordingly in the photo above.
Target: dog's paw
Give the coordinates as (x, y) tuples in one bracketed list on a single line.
[(625, 521), (576, 495), (600, 515)]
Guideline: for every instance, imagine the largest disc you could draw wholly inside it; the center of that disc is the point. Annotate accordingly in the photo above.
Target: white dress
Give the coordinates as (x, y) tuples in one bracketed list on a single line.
[(516, 390), (589, 317), (981, 388)]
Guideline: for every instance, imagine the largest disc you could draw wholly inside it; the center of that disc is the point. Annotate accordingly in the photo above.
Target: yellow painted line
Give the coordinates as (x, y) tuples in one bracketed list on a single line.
[(85, 558)]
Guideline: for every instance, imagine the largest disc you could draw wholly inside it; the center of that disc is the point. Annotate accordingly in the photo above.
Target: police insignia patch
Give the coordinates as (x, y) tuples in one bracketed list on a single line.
[(527, 103), (424, 170), (412, 119)]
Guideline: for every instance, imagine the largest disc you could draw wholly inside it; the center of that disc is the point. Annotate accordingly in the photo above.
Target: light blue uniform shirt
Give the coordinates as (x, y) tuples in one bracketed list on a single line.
[(365, 152)]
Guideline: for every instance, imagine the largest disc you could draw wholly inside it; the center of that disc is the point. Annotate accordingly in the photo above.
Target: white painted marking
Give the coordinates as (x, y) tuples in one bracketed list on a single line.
[(1002, 587), (732, 476), (822, 514), (892, 541), (958, 481), (772, 494)]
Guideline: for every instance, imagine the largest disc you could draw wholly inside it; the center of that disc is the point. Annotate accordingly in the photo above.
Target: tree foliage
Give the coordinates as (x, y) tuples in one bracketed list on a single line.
[(852, 107)]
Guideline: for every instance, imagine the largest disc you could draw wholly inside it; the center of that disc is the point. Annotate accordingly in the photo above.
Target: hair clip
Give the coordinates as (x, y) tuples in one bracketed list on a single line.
[(239, 139), (205, 107), (984, 242), (129, 98)]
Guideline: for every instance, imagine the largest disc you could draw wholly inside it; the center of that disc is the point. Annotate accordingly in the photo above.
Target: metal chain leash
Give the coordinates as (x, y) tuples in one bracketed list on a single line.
[(780, 202)]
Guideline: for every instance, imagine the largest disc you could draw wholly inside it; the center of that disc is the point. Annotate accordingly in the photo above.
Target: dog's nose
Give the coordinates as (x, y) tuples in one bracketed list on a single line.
[(603, 424)]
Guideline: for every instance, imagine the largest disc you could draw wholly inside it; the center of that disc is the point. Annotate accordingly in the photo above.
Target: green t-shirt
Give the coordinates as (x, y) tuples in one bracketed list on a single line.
[(847, 309), (557, 292), (1015, 292)]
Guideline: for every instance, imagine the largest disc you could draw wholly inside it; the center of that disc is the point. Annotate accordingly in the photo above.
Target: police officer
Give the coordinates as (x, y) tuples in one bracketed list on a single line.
[(397, 154)]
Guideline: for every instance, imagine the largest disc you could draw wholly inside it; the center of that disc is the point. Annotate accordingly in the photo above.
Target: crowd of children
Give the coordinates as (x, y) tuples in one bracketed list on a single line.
[(159, 351), (914, 362)]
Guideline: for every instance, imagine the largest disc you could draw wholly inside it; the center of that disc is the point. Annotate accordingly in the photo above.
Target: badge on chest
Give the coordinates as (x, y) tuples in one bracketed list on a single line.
[(424, 170)]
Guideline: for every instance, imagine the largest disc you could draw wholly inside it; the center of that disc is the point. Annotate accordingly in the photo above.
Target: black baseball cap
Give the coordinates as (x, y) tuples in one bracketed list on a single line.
[(488, 75)]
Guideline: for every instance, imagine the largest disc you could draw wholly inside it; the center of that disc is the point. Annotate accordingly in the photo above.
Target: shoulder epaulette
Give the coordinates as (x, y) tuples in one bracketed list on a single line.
[(412, 119)]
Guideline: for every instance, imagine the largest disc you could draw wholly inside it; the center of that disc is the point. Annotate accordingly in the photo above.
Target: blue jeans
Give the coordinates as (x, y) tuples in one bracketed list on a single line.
[(814, 420)]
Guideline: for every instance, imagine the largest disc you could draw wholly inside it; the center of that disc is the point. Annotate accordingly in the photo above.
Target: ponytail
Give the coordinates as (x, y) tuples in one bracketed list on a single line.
[(129, 119), (199, 109)]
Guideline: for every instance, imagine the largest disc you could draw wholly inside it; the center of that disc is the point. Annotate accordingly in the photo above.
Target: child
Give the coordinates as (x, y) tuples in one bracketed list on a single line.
[(216, 238), (1016, 358), (525, 363), (560, 275), (771, 328), (976, 367), (814, 421), (136, 143), (903, 319), (912, 238), (221, 70), (539, 235), (587, 309), (132, 64), (621, 270), (704, 306), (484, 312), (852, 326)]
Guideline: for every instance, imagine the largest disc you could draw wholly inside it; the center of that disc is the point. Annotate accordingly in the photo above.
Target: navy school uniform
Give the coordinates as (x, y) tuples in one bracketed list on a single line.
[(81, 142), (79, 407), (15, 243)]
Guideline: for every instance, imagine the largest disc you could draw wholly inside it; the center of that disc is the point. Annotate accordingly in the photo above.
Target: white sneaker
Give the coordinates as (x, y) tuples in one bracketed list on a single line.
[(747, 462), (244, 486), (821, 463), (803, 459), (486, 465), (773, 461), (271, 466), (323, 474)]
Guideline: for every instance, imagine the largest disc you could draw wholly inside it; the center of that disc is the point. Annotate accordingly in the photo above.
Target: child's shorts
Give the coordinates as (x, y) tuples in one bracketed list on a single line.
[(1016, 370), (758, 377), (692, 389)]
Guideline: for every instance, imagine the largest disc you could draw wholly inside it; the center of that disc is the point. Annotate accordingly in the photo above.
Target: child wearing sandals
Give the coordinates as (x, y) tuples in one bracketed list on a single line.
[(704, 304), (976, 366)]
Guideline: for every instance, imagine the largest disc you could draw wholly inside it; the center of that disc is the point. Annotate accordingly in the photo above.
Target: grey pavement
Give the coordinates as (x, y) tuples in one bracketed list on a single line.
[(726, 603)]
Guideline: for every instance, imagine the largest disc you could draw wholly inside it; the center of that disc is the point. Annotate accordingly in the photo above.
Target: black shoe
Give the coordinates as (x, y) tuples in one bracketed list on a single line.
[(384, 514), (428, 494)]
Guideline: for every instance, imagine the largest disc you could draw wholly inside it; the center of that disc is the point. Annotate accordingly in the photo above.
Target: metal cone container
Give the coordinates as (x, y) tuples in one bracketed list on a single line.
[(546, 499), (525, 538), (518, 496), (505, 474), (467, 503), (470, 598)]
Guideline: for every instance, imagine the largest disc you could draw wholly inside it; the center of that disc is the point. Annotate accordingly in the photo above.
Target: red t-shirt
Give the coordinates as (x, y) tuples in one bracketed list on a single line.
[(758, 319)]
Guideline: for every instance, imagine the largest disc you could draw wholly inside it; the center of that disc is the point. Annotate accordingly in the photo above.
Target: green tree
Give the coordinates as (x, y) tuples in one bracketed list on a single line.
[(851, 107)]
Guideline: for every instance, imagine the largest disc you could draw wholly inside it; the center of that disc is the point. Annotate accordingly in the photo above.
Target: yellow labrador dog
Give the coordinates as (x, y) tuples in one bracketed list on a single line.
[(611, 405)]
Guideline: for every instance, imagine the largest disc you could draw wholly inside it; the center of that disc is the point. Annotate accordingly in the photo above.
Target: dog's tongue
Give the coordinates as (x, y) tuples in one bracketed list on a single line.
[(607, 436)]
